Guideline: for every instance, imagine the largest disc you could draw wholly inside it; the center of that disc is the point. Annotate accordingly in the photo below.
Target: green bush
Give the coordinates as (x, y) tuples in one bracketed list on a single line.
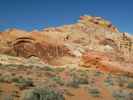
[(59, 69), (76, 80), (73, 83), (97, 73), (8, 97), (49, 68), (109, 80), (58, 80), (130, 85), (94, 92), (42, 94), (120, 95), (23, 82), (122, 80)]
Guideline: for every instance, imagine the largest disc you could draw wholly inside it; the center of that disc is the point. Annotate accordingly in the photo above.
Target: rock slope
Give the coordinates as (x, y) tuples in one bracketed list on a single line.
[(64, 44), (88, 60)]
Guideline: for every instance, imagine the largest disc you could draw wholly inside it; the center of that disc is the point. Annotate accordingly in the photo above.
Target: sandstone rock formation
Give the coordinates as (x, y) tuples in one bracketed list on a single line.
[(89, 33)]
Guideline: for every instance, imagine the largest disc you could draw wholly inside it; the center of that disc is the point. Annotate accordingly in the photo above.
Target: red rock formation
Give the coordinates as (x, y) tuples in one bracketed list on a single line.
[(102, 62), (27, 47)]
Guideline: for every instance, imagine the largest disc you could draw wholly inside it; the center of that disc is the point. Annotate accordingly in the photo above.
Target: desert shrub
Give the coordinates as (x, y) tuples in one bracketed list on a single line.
[(73, 83), (76, 80), (42, 94), (23, 82), (6, 78), (7, 97), (19, 81), (109, 80), (15, 93), (130, 85), (58, 80), (94, 92), (49, 74), (72, 70), (122, 80), (59, 69), (10, 65), (120, 95), (130, 96), (48, 68), (1, 78), (81, 72), (97, 73)]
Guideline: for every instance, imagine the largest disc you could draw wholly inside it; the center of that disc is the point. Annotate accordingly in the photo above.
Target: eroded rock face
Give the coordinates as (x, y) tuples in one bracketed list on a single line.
[(93, 58), (46, 51), (90, 32), (110, 42), (104, 62), (24, 47), (98, 21), (25, 50)]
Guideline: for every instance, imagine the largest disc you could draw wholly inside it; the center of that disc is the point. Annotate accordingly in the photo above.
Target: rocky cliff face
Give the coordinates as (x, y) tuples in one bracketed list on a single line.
[(89, 33), (88, 60)]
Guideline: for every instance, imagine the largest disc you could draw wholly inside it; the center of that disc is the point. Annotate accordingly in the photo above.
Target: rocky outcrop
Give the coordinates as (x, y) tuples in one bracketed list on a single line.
[(27, 47), (89, 33), (104, 62)]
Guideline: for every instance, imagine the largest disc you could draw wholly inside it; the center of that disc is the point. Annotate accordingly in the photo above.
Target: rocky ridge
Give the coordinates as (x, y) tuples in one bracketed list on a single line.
[(70, 43)]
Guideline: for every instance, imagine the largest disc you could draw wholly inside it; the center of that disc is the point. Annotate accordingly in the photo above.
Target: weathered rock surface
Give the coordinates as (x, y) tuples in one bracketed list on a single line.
[(71, 41)]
